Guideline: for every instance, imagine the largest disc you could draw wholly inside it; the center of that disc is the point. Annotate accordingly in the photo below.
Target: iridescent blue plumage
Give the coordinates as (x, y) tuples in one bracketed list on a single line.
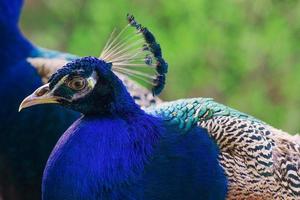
[(25, 143), (116, 150), (118, 158)]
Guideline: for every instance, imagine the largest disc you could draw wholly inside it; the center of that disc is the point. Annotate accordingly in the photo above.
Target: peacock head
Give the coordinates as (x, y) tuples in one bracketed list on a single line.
[(86, 85), (91, 85)]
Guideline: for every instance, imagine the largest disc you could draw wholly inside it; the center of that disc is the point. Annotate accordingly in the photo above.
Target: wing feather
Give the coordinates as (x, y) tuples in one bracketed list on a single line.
[(261, 162)]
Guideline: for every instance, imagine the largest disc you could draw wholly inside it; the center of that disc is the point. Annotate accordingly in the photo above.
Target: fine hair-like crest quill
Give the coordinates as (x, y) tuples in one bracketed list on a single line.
[(135, 53)]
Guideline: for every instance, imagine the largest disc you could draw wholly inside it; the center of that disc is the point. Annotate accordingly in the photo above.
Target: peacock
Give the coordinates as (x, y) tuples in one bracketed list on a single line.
[(117, 150), (26, 143), (185, 149)]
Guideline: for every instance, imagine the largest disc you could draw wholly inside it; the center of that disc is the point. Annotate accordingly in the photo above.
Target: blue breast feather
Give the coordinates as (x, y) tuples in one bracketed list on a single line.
[(117, 158)]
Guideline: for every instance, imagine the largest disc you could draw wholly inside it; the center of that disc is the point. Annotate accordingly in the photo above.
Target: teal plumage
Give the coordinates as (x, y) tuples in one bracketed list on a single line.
[(188, 112)]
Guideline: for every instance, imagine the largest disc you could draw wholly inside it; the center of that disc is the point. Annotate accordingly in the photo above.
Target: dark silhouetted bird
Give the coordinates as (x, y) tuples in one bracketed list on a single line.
[(116, 150)]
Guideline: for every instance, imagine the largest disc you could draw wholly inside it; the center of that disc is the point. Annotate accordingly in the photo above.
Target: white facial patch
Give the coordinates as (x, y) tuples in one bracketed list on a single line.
[(60, 82)]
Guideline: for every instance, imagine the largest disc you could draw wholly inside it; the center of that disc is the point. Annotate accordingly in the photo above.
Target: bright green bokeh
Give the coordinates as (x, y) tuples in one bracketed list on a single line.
[(242, 53)]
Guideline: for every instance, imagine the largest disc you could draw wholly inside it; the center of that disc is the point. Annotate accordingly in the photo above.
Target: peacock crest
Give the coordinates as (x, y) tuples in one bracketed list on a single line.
[(136, 54), (133, 53)]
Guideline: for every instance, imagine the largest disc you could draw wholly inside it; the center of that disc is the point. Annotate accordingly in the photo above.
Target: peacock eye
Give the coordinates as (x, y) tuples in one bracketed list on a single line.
[(77, 83)]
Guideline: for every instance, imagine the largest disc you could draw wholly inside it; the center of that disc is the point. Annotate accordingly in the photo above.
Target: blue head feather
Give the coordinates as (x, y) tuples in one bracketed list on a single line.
[(84, 66), (109, 95)]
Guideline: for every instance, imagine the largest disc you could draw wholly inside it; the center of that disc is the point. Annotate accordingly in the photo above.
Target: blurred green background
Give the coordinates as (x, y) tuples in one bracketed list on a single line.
[(243, 53)]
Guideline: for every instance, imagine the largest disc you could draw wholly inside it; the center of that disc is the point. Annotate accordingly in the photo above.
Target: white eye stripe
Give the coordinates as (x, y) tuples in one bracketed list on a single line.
[(60, 82), (92, 80)]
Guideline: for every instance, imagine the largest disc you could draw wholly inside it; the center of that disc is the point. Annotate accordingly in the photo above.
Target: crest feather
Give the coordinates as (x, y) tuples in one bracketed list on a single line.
[(135, 53)]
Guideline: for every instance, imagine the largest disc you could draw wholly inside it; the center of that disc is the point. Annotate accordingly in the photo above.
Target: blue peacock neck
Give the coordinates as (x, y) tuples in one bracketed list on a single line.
[(124, 104), (101, 158)]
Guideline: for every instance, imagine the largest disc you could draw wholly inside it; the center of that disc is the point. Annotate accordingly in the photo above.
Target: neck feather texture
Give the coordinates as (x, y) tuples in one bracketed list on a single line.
[(123, 103), (117, 101)]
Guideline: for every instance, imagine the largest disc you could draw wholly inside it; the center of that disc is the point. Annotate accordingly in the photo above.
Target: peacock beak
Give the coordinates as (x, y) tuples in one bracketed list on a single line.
[(42, 95)]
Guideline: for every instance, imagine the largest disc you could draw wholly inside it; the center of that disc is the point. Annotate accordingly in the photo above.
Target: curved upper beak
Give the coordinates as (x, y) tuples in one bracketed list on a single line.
[(42, 95)]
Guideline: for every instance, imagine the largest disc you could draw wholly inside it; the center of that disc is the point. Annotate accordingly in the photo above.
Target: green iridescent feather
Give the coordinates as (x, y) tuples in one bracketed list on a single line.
[(187, 112)]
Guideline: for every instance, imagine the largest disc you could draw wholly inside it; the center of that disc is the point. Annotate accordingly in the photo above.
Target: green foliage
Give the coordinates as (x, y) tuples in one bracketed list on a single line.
[(242, 53)]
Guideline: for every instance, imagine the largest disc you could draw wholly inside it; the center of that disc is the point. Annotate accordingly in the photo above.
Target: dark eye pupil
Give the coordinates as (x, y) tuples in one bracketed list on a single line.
[(77, 84)]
